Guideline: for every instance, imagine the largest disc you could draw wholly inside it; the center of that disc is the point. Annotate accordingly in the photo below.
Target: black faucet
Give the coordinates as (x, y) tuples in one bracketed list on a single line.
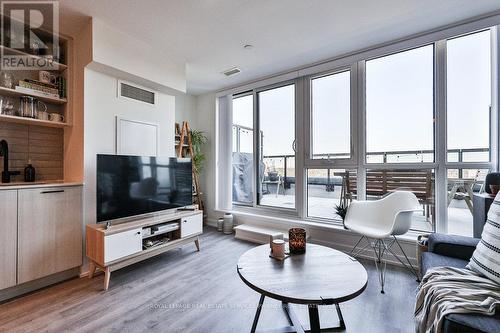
[(4, 151)]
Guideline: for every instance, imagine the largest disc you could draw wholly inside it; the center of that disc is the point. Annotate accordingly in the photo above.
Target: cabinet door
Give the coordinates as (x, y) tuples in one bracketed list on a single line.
[(191, 225), (8, 238), (120, 245), (50, 231)]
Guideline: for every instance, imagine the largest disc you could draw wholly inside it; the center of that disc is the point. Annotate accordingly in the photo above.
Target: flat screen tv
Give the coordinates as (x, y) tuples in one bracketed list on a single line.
[(135, 185)]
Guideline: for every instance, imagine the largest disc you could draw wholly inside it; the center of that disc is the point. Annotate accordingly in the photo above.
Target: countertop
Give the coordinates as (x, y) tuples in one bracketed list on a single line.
[(41, 184)]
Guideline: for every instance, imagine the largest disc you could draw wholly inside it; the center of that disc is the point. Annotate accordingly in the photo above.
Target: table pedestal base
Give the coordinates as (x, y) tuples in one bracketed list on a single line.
[(314, 325)]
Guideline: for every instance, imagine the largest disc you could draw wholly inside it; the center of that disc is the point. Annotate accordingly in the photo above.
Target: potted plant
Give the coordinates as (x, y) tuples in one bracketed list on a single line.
[(198, 139), (341, 210)]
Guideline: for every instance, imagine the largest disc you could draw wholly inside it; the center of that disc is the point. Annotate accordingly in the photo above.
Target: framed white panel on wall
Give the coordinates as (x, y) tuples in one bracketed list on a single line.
[(134, 137)]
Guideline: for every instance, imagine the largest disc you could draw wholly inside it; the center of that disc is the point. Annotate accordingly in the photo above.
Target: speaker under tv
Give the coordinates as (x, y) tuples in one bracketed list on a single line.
[(134, 185)]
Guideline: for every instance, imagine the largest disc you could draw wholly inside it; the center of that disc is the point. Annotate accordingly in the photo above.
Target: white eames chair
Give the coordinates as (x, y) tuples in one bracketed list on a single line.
[(379, 222)]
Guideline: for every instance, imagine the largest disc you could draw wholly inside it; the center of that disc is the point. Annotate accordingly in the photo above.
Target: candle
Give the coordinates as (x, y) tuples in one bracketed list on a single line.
[(297, 240), (278, 248)]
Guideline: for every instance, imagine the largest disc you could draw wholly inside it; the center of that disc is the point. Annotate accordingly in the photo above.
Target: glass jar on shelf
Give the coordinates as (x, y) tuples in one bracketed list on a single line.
[(7, 106), (7, 80)]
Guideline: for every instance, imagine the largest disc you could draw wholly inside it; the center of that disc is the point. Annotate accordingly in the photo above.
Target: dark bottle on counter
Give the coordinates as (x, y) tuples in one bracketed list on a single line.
[(29, 173)]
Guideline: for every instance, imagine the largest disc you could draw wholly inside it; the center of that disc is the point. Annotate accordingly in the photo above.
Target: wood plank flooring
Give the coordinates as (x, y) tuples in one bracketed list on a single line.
[(188, 291)]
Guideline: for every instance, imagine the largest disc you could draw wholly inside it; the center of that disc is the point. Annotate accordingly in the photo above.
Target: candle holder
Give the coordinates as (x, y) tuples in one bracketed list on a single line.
[(297, 240)]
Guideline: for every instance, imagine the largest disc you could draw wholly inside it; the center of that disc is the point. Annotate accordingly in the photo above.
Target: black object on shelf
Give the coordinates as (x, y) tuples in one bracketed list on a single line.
[(29, 173)]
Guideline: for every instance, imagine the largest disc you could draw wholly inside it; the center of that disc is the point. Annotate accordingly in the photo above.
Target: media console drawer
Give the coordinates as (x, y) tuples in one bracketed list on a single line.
[(123, 244), (191, 225)]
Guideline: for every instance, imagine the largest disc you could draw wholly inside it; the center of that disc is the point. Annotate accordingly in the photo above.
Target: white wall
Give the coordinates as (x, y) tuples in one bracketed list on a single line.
[(115, 49), (101, 108), (185, 109)]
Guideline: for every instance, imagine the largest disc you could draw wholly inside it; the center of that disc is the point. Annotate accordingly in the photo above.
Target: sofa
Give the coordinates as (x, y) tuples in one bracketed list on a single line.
[(456, 251)]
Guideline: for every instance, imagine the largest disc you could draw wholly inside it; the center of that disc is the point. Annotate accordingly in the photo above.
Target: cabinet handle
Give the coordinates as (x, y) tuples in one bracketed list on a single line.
[(53, 191), (138, 233)]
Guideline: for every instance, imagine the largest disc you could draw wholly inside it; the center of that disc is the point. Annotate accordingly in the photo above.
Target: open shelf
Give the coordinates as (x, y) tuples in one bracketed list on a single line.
[(31, 121), (166, 231), (9, 51), (43, 98)]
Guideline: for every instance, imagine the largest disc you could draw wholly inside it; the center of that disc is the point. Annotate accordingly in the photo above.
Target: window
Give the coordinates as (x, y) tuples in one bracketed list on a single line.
[(276, 108), (381, 182), (461, 186), (364, 128), (331, 116), (400, 107), (242, 155), (469, 97), (326, 188)]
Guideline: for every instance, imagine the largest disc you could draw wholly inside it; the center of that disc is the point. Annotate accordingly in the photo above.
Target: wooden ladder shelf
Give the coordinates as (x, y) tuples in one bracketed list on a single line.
[(183, 149)]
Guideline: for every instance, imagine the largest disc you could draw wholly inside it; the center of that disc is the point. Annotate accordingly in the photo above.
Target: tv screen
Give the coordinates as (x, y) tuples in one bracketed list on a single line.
[(134, 185)]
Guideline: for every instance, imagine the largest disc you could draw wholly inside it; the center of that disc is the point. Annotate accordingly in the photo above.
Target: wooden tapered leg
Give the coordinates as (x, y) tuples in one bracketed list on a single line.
[(107, 276), (92, 268), (197, 243)]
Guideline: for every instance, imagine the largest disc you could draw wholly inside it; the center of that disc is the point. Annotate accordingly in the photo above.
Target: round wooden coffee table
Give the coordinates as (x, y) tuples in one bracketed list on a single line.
[(321, 276)]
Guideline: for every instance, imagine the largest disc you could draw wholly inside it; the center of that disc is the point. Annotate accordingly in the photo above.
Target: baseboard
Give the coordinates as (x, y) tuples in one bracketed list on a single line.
[(86, 274), (28, 287), (366, 254), (211, 222)]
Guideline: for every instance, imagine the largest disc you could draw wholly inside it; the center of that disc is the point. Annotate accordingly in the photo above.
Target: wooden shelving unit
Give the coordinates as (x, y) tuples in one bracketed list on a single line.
[(54, 104), (43, 98), (22, 132), (31, 121), (7, 50)]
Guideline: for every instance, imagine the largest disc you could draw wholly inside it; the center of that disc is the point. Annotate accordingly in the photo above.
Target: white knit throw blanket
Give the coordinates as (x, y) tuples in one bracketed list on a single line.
[(446, 290)]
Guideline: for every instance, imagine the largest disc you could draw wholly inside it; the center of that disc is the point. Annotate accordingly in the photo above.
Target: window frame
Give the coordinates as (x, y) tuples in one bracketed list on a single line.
[(363, 110), (339, 163), (244, 94), (356, 63)]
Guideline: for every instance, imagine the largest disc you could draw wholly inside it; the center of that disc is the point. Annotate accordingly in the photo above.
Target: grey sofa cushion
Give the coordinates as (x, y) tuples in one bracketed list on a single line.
[(429, 260), (460, 247), (472, 323)]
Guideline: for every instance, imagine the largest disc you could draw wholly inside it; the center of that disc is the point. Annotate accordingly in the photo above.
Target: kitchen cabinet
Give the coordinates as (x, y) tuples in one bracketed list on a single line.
[(8, 238), (49, 231)]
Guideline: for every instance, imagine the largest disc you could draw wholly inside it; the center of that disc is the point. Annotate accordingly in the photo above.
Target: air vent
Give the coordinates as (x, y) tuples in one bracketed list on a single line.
[(232, 71), (136, 93)]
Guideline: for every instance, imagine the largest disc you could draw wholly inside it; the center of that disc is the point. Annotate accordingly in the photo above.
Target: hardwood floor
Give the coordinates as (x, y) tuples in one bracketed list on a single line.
[(188, 291)]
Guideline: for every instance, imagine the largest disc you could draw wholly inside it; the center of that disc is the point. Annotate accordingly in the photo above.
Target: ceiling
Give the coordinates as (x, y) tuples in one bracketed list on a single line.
[(208, 35)]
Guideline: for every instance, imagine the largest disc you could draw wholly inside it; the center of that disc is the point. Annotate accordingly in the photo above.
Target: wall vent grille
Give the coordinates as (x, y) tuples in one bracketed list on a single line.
[(232, 71), (139, 94)]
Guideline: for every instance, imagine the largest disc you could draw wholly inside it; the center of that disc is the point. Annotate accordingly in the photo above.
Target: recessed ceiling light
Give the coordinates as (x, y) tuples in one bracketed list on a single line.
[(248, 46)]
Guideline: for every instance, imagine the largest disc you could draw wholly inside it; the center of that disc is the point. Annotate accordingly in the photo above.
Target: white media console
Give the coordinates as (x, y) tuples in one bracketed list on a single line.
[(132, 241)]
